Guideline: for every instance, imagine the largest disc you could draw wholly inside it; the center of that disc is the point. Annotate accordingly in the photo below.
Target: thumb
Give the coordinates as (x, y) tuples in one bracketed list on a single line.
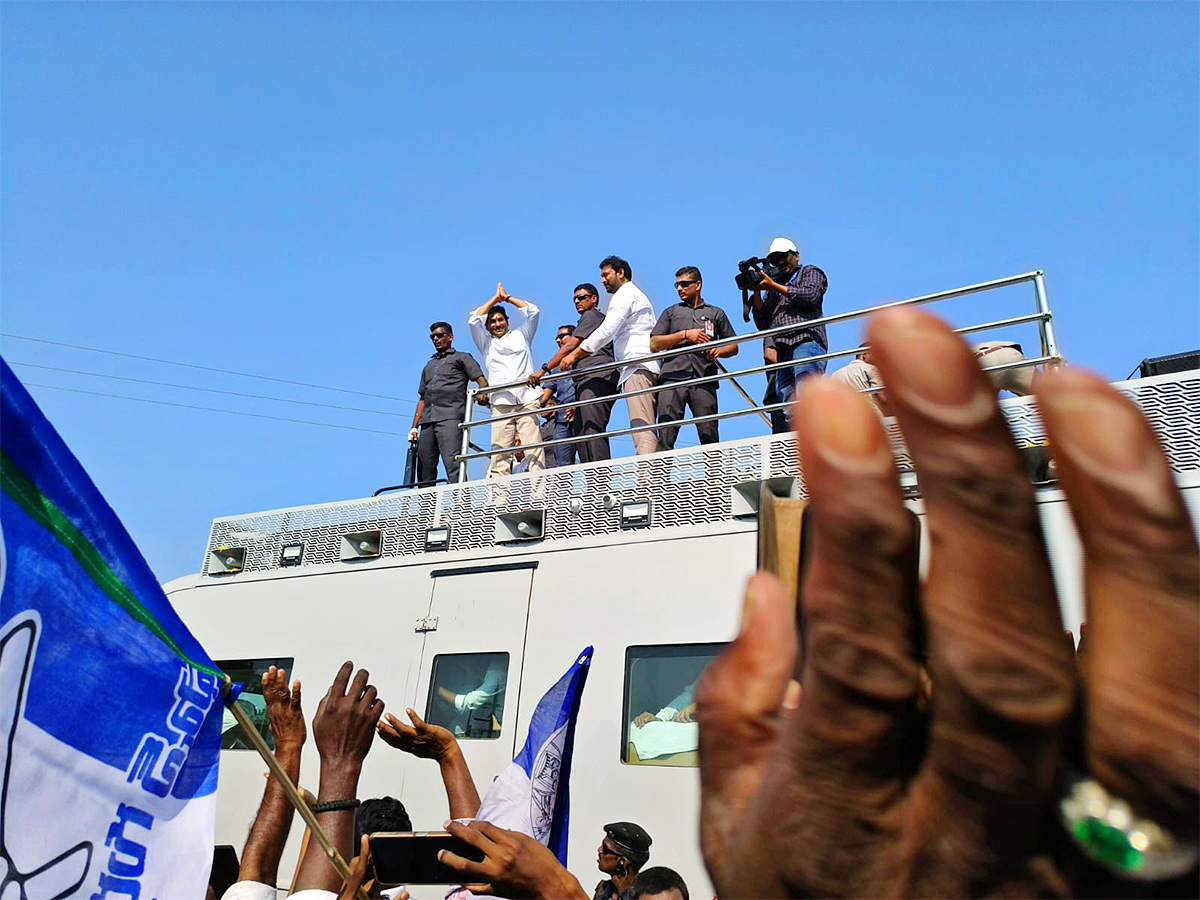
[(738, 704)]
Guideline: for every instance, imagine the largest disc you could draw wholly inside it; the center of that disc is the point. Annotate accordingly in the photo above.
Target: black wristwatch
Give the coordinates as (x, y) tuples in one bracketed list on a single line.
[(334, 805), (545, 368)]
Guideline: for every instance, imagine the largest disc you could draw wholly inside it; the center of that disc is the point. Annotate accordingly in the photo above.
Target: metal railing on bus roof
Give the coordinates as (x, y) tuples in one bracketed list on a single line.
[(1043, 317)]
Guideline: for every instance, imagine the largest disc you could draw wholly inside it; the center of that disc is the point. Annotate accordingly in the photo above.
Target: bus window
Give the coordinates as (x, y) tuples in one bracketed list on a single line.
[(466, 694), (659, 727), (250, 673)]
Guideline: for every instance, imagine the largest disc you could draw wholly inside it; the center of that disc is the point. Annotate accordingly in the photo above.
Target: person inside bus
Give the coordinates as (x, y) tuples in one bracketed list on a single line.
[(681, 708), (469, 697)]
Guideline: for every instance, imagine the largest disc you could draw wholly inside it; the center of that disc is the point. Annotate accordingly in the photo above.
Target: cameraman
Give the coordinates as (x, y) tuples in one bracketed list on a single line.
[(794, 296)]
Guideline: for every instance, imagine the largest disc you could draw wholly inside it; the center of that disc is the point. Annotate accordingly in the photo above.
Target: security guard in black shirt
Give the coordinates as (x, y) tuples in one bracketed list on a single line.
[(443, 405), (624, 850)]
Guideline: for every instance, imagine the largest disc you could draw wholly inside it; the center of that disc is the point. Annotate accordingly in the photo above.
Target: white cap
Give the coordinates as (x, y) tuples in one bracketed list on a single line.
[(782, 245)]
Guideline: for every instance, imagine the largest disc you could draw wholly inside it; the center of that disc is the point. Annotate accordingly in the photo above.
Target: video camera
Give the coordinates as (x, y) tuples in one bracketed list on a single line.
[(750, 273), (749, 277)]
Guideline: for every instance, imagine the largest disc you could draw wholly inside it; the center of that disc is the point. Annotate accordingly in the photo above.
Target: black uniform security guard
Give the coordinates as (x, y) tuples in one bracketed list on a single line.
[(624, 850), (443, 405), (691, 321)]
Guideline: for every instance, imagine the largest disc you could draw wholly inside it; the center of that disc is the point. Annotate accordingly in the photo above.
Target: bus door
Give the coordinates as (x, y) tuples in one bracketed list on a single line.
[(474, 645)]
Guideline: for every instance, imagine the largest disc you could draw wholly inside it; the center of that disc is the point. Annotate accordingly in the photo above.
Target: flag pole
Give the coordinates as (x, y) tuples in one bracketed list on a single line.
[(289, 789)]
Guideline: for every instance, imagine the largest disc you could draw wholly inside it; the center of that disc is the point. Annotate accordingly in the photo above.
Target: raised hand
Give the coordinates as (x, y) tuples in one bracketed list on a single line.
[(344, 725), (861, 793), (514, 864), (283, 709), (420, 739)]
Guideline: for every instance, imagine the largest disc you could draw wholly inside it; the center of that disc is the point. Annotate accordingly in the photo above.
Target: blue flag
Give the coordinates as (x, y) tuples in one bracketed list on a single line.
[(533, 794), (110, 711)]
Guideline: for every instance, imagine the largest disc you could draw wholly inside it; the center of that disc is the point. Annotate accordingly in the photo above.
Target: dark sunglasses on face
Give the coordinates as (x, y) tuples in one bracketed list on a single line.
[(680, 284), (561, 337), (439, 334), (579, 298)]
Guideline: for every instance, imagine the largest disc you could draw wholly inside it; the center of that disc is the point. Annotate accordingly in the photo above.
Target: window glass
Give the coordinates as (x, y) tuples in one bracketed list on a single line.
[(659, 727), (250, 672), (466, 694)]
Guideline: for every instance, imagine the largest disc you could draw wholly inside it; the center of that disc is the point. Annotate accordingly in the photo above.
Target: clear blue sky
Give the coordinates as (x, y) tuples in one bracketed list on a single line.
[(298, 190)]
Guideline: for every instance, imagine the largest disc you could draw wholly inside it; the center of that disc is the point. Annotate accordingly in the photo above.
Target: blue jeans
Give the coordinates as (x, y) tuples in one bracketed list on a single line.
[(786, 378), (564, 454)]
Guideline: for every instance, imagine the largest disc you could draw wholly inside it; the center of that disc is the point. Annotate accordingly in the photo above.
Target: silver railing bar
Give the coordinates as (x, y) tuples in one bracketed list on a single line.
[(582, 439), (811, 323), (704, 379)]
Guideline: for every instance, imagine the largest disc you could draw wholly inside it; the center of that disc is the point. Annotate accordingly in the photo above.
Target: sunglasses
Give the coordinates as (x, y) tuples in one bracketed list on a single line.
[(579, 297), (561, 337), (680, 284), (439, 334)]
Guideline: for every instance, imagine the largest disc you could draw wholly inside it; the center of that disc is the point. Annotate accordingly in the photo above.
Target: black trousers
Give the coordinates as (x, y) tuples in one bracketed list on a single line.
[(593, 420), (438, 439), (701, 398)]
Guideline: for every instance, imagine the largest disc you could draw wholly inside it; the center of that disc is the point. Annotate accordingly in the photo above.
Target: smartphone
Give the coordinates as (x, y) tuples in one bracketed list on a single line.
[(224, 868), (410, 857)]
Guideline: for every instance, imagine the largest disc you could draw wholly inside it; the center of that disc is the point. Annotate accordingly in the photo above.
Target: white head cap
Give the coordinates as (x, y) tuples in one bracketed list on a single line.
[(782, 245)]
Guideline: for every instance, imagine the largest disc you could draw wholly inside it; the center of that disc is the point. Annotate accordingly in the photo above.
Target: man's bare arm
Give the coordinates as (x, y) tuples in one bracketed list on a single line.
[(268, 834), (344, 729), (569, 344), (434, 742)]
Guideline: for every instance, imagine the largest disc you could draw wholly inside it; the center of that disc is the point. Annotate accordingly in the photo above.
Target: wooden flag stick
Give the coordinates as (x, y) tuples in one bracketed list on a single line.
[(293, 795)]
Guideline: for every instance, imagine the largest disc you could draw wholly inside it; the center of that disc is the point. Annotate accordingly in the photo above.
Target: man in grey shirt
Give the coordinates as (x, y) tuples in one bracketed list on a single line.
[(690, 322), (443, 405), (590, 420)]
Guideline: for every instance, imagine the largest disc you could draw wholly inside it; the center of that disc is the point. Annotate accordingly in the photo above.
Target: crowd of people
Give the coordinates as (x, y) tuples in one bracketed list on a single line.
[(604, 354), (874, 734), (346, 722)]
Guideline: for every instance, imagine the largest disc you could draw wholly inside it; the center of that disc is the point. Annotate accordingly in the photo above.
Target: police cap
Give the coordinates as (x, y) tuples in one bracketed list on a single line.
[(629, 836)]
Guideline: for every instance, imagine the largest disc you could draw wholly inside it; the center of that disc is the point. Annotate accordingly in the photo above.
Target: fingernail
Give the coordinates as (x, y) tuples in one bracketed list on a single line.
[(791, 695), (846, 431), (1101, 434), (749, 602), (928, 368), (446, 824)]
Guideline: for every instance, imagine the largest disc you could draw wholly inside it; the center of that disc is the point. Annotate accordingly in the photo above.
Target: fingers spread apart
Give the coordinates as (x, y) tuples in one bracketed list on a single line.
[(1003, 679)]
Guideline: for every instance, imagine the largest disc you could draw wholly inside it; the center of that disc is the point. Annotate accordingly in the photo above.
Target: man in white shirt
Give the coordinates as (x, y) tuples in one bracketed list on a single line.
[(995, 353), (507, 359), (862, 375), (627, 324)]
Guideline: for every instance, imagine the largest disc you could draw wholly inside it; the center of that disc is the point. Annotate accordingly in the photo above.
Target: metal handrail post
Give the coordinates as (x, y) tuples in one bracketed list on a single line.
[(472, 390), (1049, 345)]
